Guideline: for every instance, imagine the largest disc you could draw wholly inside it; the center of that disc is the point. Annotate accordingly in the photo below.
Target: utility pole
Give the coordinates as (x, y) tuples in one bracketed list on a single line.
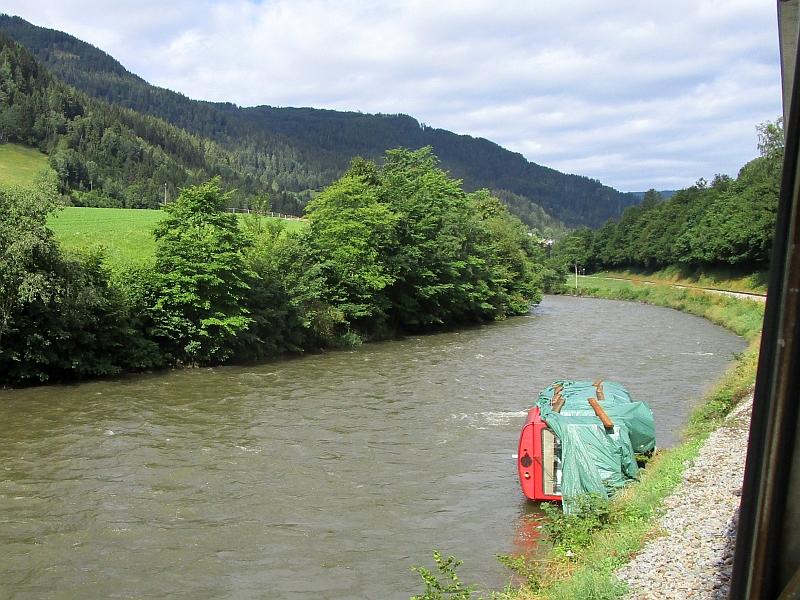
[(165, 194)]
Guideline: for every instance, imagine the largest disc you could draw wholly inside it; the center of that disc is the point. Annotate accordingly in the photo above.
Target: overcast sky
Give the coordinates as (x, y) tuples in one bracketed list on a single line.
[(637, 94)]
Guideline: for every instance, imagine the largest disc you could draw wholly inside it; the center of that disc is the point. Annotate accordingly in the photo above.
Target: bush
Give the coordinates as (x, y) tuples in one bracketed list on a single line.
[(449, 587), (588, 514)]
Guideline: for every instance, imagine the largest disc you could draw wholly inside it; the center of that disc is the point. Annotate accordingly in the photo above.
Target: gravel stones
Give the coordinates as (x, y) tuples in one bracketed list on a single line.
[(694, 557)]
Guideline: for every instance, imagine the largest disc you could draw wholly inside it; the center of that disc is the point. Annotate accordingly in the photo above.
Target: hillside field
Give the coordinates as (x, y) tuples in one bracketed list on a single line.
[(126, 234), (19, 165)]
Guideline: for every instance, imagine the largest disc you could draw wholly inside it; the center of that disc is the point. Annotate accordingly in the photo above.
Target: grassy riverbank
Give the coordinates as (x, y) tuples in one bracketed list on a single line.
[(730, 280), (589, 548)]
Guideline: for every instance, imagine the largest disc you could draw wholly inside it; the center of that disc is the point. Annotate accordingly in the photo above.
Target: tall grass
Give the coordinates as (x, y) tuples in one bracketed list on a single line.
[(742, 316)]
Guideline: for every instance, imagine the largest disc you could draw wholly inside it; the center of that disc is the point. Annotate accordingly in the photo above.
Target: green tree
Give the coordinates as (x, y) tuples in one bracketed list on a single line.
[(82, 327), (353, 232), (602, 249), (770, 137), (403, 247), (443, 247), (27, 248), (738, 225), (201, 280), (573, 251), (515, 258)]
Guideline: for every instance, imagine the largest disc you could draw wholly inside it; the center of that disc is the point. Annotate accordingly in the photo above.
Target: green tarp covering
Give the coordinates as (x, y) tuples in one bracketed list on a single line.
[(595, 459)]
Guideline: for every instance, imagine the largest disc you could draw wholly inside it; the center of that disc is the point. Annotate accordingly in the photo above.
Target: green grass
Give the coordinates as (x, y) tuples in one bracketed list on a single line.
[(126, 234), (742, 316), (19, 165), (718, 279), (289, 226), (601, 284)]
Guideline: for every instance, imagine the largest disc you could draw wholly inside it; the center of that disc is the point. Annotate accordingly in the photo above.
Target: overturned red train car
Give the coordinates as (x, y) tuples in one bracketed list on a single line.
[(583, 437)]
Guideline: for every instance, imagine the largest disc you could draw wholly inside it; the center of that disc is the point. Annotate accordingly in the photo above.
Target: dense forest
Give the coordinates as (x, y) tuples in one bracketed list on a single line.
[(299, 151), (726, 223), (388, 250)]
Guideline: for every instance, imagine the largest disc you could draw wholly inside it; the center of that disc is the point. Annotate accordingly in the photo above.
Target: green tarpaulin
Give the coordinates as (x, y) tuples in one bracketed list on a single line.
[(596, 459)]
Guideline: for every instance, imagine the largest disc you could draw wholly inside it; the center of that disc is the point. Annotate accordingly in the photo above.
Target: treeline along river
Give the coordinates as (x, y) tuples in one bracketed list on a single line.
[(323, 477)]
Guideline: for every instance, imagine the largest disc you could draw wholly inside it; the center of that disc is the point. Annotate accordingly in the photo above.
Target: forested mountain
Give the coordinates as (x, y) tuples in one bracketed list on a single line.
[(106, 155), (301, 150)]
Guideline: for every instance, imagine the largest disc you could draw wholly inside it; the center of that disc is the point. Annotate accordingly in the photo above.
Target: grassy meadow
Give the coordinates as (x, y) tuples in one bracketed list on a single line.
[(124, 233), (19, 165)]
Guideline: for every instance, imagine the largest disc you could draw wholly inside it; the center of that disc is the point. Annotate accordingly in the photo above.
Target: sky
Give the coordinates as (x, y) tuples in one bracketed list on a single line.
[(637, 94)]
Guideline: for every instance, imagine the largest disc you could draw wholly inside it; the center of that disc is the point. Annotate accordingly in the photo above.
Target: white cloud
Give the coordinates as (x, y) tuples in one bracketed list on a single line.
[(635, 94)]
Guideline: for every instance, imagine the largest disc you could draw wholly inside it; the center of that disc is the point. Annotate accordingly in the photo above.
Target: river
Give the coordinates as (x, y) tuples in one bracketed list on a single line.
[(322, 477)]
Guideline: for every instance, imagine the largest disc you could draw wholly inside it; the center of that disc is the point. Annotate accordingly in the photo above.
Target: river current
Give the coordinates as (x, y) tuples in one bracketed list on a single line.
[(322, 477)]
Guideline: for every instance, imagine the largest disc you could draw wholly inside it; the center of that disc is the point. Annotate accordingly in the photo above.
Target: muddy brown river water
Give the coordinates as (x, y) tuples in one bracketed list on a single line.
[(324, 477)]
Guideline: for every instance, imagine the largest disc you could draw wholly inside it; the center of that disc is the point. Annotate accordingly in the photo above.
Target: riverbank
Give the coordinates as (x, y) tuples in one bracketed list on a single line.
[(643, 513), (720, 279), (695, 557)]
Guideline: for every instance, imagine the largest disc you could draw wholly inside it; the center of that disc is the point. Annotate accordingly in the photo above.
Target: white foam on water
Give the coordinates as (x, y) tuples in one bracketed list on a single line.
[(246, 449), (486, 419)]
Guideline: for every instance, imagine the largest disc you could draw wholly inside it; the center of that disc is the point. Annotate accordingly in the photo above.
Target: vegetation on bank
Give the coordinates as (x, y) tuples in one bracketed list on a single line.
[(742, 316), (584, 549), (714, 279), (386, 250)]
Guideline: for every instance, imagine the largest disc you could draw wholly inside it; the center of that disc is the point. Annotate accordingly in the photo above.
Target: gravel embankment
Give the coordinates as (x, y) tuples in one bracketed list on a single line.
[(693, 559)]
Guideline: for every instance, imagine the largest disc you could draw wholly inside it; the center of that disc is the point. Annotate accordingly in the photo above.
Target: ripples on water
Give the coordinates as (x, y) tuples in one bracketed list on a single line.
[(322, 477)]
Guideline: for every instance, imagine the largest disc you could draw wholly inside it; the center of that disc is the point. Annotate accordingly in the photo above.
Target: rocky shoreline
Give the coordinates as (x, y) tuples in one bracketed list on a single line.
[(693, 557)]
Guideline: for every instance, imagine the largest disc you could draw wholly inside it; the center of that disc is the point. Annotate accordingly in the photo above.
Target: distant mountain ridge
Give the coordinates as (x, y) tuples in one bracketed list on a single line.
[(666, 194), (301, 150)]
